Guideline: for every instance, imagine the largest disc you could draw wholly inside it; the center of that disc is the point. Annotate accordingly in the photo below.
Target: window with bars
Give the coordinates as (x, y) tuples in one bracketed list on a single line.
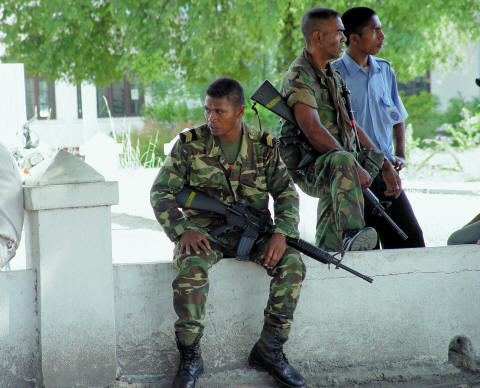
[(39, 98), (123, 98)]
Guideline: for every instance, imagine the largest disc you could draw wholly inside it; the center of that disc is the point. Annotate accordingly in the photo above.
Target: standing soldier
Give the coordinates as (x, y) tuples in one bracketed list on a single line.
[(380, 112), (229, 160), (314, 91)]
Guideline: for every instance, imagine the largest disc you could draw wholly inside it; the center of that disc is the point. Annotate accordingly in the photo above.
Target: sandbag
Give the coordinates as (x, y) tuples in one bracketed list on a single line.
[(11, 205)]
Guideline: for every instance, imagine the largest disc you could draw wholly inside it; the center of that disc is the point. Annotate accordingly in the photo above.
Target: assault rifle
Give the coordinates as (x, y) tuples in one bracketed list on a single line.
[(250, 224), (269, 97)]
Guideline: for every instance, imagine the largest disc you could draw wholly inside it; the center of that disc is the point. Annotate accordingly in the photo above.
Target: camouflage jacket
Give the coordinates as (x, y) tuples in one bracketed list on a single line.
[(197, 160), (321, 89)]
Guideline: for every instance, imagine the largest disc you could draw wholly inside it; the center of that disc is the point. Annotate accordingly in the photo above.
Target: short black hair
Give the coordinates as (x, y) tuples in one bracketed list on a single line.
[(311, 17), (227, 87), (355, 19)]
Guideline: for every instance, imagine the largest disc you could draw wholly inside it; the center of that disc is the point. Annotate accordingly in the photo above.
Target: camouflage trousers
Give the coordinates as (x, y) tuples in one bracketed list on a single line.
[(333, 179), (190, 287)]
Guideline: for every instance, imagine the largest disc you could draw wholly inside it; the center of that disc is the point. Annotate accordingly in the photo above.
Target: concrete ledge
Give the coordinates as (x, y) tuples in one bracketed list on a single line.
[(420, 299), (19, 349), (346, 330), (70, 195)]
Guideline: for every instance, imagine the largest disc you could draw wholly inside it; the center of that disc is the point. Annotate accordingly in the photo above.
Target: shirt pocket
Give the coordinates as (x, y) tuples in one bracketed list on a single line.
[(253, 176), (253, 185), (390, 113), (206, 173), (386, 101)]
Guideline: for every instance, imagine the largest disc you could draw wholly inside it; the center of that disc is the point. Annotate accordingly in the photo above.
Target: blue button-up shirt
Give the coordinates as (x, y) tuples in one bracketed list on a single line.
[(376, 105)]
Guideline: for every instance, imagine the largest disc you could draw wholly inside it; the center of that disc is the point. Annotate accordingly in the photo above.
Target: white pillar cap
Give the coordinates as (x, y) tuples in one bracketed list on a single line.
[(66, 181), (62, 169)]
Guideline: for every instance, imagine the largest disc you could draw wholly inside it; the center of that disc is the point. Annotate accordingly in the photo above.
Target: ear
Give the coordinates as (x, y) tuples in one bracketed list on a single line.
[(317, 36), (354, 38), (240, 111)]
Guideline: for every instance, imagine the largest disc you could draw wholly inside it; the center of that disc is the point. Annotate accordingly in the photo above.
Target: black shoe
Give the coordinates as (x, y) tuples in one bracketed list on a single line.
[(191, 365), (267, 354), (359, 239)]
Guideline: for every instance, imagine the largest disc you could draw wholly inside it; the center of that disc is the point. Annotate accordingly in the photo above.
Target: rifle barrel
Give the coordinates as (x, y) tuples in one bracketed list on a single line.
[(323, 256), (373, 200)]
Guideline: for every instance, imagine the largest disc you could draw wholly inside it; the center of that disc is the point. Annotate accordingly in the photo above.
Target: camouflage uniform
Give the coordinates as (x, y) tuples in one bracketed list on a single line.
[(197, 160), (333, 176)]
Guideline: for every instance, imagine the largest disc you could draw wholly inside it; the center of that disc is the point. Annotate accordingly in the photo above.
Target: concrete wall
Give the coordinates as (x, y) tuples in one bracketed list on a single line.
[(420, 299), (19, 347)]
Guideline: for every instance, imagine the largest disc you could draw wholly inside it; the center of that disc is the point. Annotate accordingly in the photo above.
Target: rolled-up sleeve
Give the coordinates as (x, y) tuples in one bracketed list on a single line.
[(169, 181), (298, 87)]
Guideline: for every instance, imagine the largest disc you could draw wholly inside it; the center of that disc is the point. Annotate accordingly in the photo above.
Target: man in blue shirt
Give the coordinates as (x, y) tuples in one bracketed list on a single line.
[(379, 111)]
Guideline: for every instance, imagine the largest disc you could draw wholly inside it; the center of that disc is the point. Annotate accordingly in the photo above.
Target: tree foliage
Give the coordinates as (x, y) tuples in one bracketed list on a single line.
[(191, 42)]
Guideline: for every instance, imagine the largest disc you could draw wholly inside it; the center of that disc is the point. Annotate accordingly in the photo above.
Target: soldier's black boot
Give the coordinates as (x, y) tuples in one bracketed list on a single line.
[(268, 354), (191, 364), (359, 239)]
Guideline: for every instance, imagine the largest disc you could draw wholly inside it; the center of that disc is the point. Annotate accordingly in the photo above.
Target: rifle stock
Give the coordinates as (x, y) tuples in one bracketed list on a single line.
[(269, 97), (254, 224)]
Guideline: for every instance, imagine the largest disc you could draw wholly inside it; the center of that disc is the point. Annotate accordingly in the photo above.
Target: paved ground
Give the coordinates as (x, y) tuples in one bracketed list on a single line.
[(245, 379)]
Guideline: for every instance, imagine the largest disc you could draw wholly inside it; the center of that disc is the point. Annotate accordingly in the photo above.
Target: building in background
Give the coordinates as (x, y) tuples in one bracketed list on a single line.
[(66, 115), (449, 83)]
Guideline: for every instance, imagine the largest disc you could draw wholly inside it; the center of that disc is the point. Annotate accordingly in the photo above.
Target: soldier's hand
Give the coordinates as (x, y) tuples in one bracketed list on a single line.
[(392, 180), (364, 177), (399, 163), (274, 250), (193, 241)]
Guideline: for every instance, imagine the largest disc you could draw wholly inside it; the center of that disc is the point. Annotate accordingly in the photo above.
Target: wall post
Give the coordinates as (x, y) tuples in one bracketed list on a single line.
[(68, 243)]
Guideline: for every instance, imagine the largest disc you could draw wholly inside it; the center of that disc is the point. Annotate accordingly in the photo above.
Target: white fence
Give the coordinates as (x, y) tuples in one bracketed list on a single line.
[(12, 101)]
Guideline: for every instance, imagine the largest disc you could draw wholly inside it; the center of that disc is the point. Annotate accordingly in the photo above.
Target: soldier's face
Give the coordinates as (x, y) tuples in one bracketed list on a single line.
[(370, 42), (223, 118), (333, 39)]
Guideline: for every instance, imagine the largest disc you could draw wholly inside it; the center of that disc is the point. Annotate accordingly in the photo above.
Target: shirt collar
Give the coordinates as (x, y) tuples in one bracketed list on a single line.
[(353, 67), (213, 145), (326, 72)]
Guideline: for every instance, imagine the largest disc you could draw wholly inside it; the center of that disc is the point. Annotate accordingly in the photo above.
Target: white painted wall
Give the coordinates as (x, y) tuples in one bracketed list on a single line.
[(420, 299), (19, 348), (448, 83), (69, 245), (12, 101)]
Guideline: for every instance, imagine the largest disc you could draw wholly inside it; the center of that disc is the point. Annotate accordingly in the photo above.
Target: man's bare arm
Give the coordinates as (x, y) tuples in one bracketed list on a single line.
[(317, 135), (399, 144), (320, 138)]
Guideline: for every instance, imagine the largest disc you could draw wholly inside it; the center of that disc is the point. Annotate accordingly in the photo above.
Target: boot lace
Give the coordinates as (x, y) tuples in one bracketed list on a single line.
[(277, 350), (190, 356)]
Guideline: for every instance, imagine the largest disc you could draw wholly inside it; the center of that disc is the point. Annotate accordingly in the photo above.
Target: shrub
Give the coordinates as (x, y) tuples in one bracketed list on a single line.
[(466, 133), (453, 113), (423, 114)]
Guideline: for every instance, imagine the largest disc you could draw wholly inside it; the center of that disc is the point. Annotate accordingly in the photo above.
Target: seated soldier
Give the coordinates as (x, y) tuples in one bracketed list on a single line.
[(229, 160)]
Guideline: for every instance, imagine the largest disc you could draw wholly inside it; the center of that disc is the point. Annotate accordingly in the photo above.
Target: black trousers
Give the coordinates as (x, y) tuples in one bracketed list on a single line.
[(401, 212)]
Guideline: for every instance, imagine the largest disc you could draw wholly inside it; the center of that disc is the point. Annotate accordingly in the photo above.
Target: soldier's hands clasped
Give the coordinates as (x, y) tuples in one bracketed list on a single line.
[(392, 180), (193, 241), (399, 163), (364, 177)]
